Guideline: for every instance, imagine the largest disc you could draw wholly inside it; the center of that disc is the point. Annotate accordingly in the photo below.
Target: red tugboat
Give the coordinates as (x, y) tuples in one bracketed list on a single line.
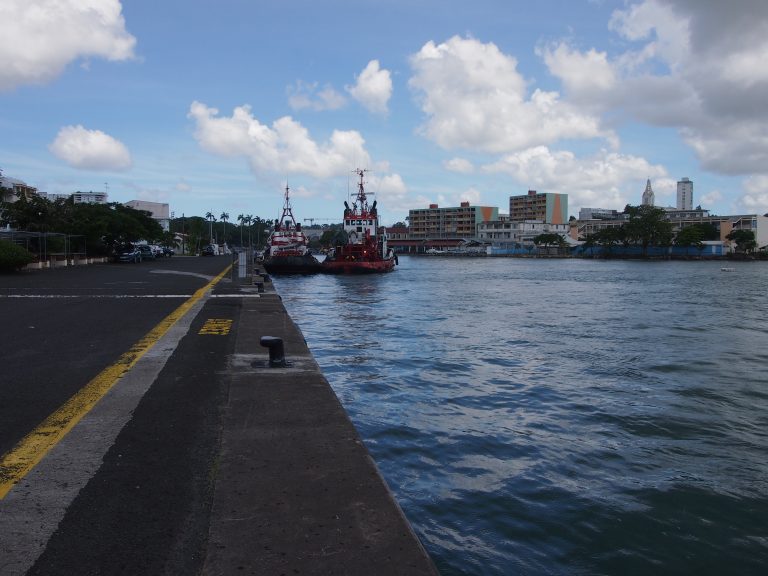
[(366, 249), (287, 248)]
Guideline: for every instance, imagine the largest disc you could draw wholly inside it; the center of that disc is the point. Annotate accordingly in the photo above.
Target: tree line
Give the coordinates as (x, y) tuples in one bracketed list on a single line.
[(100, 228), (647, 226)]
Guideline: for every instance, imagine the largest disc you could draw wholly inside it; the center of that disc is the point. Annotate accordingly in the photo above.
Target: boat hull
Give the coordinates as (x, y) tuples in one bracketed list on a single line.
[(306, 264), (342, 266)]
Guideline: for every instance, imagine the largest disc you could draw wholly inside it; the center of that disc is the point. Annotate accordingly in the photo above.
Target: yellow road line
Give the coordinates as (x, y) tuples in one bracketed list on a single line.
[(23, 457)]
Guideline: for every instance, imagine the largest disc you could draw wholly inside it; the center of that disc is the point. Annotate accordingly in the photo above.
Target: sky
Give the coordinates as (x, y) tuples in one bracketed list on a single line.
[(218, 105)]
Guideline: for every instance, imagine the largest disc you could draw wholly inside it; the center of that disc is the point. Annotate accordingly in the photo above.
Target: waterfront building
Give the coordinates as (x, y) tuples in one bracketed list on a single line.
[(580, 229), (680, 219), (521, 232), (399, 239), (684, 194), (448, 226), (545, 207), (159, 211), (649, 198), (757, 224)]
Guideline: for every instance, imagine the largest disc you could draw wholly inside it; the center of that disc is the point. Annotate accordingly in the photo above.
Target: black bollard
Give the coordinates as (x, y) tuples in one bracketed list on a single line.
[(276, 354)]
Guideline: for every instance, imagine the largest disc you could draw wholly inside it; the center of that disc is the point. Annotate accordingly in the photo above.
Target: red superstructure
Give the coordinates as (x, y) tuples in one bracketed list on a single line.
[(366, 248)]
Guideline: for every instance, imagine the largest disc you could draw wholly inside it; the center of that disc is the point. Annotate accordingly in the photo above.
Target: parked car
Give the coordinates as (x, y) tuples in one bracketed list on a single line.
[(208, 251), (168, 252), (146, 252), (129, 255)]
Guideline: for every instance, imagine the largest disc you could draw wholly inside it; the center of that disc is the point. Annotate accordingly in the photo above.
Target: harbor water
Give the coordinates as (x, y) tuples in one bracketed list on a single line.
[(539, 416)]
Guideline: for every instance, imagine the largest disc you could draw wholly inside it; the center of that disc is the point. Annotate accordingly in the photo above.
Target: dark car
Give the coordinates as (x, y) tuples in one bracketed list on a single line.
[(129, 255), (146, 252), (168, 252), (208, 251)]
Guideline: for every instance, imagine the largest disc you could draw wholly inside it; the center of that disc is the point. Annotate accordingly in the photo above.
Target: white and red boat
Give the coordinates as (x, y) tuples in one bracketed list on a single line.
[(366, 248), (287, 248)]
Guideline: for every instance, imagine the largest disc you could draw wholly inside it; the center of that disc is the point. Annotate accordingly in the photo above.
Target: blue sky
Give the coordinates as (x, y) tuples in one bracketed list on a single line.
[(216, 105)]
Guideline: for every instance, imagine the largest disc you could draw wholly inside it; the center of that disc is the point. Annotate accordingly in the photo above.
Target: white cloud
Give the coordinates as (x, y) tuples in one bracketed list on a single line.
[(90, 149), (756, 198), (459, 165), (303, 96), (471, 195), (587, 73), (373, 88), (302, 192), (605, 180), (389, 190), (284, 148), (39, 39), (711, 198), (690, 65), (474, 98)]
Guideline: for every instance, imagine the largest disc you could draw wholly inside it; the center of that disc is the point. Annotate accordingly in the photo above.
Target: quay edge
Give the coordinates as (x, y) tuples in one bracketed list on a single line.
[(296, 490)]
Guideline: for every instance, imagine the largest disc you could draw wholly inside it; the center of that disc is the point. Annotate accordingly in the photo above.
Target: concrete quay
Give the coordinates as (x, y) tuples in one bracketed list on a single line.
[(296, 490), (143, 431)]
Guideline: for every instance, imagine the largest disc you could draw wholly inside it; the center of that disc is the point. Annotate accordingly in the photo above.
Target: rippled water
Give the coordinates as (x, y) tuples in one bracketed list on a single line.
[(559, 416)]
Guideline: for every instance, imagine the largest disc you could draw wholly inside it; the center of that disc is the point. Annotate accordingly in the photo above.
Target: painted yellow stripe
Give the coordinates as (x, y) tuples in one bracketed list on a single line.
[(17, 463), (216, 327)]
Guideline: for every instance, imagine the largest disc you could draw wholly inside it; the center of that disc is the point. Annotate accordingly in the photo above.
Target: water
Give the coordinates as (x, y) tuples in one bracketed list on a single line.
[(559, 416)]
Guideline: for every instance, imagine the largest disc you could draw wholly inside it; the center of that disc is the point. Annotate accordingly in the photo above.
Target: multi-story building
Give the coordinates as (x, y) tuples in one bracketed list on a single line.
[(11, 189), (599, 214), (89, 197), (684, 194), (80, 197), (546, 207), (500, 232), (449, 224), (159, 211)]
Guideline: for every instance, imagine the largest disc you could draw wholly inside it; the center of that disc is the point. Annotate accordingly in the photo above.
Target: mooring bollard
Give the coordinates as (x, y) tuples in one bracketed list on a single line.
[(276, 353)]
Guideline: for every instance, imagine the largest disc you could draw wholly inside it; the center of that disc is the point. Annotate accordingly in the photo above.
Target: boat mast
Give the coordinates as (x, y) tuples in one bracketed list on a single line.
[(287, 208), (361, 196)]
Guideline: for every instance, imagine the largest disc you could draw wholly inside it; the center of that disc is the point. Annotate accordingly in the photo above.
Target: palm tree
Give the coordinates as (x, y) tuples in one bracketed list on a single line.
[(224, 218), (212, 218), (248, 219), (241, 219)]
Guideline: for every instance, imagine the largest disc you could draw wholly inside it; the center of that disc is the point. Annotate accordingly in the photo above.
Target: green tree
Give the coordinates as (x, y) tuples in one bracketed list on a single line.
[(13, 257), (101, 227), (708, 231), (548, 239), (209, 216), (690, 236), (590, 240), (648, 226), (224, 219), (248, 219), (609, 237), (241, 219), (744, 239)]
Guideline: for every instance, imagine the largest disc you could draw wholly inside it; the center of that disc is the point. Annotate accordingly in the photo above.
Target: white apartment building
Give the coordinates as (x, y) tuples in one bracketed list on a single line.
[(519, 232), (159, 211), (685, 194)]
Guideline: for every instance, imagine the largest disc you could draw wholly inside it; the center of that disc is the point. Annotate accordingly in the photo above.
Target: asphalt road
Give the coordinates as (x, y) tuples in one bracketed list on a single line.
[(143, 431), (154, 446)]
